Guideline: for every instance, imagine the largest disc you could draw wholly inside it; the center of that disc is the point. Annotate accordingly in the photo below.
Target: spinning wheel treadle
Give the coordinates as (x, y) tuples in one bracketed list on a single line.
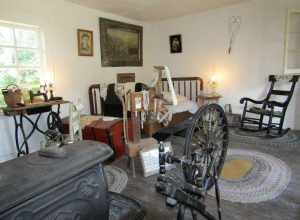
[(204, 156)]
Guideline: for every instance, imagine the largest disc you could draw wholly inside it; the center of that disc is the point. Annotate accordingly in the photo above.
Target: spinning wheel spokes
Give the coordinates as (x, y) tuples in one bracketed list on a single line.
[(204, 156), (206, 144)]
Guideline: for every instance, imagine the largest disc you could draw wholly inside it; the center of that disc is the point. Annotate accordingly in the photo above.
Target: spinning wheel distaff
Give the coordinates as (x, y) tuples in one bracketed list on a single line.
[(204, 156)]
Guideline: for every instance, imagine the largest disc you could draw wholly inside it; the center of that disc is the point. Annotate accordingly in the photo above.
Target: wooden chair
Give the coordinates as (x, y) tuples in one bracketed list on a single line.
[(269, 107)]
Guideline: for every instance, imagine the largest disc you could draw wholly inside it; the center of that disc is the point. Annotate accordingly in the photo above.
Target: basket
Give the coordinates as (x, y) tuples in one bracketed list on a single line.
[(12, 96)]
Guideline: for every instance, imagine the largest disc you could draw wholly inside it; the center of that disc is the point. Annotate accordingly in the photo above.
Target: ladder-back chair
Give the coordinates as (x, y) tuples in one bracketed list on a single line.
[(269, 107)]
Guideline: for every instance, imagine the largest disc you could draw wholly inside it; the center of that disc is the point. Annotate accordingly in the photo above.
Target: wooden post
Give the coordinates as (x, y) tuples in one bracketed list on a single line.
[(135, 118)]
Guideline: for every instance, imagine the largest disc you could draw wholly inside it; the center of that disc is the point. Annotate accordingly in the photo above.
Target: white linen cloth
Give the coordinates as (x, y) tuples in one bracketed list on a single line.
[(186, 105)]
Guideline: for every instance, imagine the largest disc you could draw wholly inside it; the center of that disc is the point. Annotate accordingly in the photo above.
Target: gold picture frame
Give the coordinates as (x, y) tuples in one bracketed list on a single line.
[(85, 42), (121, 43)]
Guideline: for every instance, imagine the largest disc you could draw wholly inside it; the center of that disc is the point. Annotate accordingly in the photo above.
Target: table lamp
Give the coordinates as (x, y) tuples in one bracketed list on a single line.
[(213, 84)]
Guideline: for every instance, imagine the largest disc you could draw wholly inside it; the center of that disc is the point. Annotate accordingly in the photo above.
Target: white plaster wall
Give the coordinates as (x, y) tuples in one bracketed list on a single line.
[(257, 52), (59, 21)]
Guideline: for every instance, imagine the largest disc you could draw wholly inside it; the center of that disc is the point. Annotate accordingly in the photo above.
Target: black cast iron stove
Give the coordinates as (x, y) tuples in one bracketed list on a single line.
[(34, 187)]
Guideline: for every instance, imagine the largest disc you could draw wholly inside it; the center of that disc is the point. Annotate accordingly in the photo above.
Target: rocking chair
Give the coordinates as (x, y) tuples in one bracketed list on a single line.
[(270, 108)]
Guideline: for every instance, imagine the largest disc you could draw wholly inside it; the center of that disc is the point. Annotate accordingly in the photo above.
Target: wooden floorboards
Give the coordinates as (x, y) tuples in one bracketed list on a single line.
[(285, 207)]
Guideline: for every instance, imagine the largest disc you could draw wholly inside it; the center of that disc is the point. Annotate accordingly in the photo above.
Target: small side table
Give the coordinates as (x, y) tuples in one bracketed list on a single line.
[(234, 120), (208, 98)]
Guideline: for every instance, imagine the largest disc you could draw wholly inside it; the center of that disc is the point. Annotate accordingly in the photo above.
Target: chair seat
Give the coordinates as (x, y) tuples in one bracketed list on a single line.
[(257, 110)]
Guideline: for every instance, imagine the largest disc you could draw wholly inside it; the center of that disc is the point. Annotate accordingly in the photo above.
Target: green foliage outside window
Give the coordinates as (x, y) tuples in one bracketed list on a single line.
[(19, 65)]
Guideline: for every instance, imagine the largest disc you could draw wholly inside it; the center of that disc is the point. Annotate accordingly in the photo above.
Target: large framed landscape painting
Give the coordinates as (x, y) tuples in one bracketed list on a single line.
[(121, 43)]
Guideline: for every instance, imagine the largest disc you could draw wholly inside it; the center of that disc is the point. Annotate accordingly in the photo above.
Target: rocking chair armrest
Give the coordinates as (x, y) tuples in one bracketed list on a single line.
[(251, 100)]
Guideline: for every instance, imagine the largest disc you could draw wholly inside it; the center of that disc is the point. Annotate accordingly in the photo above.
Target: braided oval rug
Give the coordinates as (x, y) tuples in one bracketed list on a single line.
[(291, 139), (116, 178), (259, 178)]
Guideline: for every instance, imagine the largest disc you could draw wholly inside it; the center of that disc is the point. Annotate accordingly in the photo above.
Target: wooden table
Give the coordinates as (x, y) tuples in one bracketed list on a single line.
[(23, 112), (208, 98)]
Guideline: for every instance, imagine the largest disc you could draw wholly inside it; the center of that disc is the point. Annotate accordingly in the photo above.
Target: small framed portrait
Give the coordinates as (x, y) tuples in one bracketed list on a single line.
[(85, 43), (137, 101), (175, 43)]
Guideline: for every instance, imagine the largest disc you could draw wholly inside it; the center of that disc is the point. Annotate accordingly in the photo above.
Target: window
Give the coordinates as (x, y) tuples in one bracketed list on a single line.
[(21, 56), (292, 47)]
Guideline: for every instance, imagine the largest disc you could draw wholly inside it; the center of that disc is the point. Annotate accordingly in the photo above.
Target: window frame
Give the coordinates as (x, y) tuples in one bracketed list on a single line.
[(40, 48), (287, 49)]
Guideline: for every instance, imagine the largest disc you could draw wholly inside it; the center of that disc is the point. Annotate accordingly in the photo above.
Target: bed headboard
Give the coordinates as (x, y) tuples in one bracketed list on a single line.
[(189, 87)]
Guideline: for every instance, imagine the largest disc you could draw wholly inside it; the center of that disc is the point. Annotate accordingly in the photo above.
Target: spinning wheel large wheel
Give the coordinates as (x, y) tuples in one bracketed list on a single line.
[(206, 146)]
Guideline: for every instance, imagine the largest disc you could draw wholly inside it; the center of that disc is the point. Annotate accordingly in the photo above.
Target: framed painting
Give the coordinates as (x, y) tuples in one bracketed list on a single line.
[(85, 42), (175, 44), (121, 43), (125, 77)]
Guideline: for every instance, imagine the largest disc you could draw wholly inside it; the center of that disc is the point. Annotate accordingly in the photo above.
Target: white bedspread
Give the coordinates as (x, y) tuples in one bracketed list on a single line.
[(186, 105)]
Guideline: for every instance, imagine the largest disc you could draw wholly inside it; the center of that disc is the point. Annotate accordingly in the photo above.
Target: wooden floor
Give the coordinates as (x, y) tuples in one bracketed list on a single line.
[(285, 207)]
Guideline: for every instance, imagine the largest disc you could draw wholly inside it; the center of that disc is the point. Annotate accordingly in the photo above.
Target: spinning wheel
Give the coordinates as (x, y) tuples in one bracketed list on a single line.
[(206, 145), (54, 122), (204, 156)]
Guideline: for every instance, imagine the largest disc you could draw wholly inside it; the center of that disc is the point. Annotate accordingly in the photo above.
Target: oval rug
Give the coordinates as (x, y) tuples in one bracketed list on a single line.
[(290, 139), (252, 177), (116, 178)]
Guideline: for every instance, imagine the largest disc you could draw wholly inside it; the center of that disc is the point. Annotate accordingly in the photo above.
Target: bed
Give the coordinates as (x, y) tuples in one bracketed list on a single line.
[(188, 87)]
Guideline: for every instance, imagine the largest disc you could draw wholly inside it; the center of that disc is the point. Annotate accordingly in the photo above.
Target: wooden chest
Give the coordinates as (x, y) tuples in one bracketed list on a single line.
[(102, 130)]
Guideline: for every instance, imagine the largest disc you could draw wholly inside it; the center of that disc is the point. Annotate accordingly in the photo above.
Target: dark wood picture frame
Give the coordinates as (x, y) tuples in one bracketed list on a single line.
[(175, 43), (125, 77), (117, 51), (85, 45)]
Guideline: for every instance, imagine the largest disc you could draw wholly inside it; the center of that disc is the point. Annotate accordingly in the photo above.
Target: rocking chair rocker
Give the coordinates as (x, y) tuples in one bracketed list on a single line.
[(270, 108)]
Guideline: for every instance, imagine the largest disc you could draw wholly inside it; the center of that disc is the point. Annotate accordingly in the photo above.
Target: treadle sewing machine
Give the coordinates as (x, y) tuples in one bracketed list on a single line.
[(202, 162)]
